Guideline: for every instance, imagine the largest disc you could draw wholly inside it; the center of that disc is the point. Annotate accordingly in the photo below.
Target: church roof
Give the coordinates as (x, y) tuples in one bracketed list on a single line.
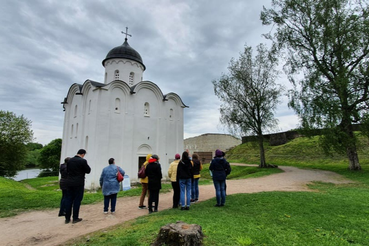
[(124, 51)]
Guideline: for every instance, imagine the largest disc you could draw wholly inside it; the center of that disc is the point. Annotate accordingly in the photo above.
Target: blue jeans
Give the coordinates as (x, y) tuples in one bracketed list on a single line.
[(220, 191), (195, 189), (185, 186), (107, 199)]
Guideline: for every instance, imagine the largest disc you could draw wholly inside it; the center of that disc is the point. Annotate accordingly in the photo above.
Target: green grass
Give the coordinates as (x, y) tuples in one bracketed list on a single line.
[(337, 215), (333, 215), (44, 193)]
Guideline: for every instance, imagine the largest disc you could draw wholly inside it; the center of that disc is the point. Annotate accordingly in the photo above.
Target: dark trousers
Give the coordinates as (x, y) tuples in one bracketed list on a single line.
[(153, 199), (113, 201), (63, 208), (74, 198), (176, 194)]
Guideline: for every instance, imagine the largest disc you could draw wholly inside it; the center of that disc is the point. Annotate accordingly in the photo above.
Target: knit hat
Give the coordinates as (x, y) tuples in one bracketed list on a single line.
[(218, 153), (177, 156), (155, 157)]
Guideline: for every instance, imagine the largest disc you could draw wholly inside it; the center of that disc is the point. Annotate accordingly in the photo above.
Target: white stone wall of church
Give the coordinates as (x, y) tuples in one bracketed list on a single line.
[(125, 67), (125, 135)]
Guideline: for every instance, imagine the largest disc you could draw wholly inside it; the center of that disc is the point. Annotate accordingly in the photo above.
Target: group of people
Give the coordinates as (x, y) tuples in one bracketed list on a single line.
[(184, 173), (72, 184)]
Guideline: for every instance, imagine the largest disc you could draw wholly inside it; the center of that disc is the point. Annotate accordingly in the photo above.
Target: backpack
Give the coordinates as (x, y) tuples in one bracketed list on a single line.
[(119, 176), (141, 173)]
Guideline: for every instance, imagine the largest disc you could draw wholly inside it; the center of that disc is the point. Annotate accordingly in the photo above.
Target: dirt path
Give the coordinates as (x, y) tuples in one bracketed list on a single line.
[(45, 228)]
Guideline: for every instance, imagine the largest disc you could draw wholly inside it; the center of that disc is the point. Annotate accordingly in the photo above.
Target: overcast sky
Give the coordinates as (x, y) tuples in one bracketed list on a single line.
[(47, 45)]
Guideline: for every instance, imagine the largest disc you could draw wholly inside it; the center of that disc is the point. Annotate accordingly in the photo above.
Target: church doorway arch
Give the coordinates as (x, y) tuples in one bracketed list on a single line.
[(142, 151)]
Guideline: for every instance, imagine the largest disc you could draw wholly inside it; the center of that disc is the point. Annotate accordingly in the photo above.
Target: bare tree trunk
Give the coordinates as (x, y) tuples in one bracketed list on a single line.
[(262, 152), (353, 159), (351, 151)]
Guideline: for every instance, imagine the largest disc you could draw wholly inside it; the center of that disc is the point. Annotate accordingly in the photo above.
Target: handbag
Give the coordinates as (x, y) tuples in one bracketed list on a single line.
[(141, 173), (119, 176)]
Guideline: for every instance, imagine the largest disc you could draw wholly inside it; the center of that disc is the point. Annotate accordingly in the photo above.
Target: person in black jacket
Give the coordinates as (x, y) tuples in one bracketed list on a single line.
[(219, 168), (153, 172), (63, 186), (77, 168), (184, 175)]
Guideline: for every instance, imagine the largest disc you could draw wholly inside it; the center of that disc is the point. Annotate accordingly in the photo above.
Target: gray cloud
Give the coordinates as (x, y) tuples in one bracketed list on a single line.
[(47, 46)]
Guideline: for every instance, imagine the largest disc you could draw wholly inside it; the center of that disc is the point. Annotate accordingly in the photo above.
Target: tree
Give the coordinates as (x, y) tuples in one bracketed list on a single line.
[(249, 94), (32, 154), (327, 41), (15, 133), (49, 157)]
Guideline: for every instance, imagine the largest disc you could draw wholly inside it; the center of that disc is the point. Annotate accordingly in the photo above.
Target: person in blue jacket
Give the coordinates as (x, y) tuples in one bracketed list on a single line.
[(219, 168), (110, 185)]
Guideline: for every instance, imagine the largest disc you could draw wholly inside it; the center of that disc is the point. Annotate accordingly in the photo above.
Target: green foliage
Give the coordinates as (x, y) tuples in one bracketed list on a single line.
[(15, 133), (326, 42), (32, 157), (249, 94), (49, 157)]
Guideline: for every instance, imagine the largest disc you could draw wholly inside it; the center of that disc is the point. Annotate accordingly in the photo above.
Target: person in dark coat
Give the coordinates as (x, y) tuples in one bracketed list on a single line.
[(153, 172), (63, 186), (184, 175), (219, 168), (77, 168)]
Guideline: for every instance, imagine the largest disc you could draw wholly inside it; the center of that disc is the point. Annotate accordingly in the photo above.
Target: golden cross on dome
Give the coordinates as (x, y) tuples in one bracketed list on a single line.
[(126, 33)]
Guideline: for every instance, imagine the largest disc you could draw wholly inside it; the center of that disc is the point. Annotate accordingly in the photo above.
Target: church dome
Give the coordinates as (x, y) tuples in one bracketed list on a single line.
[(124, 51)]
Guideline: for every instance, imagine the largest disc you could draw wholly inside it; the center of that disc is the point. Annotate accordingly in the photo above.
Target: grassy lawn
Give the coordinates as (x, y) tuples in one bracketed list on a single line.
[(333, 215)]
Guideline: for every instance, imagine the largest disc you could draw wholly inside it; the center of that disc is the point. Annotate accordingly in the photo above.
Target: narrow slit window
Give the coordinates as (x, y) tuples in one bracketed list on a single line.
[(131, 78), (146, 109), (116, 74), (117, 105)]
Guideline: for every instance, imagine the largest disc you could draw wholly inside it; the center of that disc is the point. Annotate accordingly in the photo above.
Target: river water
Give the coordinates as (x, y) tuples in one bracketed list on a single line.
[(27, 174)]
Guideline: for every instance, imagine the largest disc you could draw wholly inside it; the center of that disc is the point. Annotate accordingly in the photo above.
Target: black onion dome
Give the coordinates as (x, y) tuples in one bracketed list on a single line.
[(124, 51)]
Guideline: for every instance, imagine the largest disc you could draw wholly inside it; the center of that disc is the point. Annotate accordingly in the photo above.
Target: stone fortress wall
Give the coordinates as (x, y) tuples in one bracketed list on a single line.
[(206, 144)]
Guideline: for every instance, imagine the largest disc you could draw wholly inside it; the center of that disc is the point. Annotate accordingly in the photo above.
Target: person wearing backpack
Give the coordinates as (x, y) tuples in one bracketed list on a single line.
[(144, 182), (219, 168)]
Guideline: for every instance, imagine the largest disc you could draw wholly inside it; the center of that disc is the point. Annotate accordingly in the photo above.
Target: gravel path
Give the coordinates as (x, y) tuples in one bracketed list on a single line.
[(45, 228)]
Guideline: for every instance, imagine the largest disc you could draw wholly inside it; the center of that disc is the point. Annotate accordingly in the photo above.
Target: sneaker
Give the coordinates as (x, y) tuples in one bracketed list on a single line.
[(67, 221), (142, 207), (183, 208), (217, 205), (76, 220), (222, 205), (192, 200), (187, 208), (150, 212), (105, 212), (112, 212), (196, 200)]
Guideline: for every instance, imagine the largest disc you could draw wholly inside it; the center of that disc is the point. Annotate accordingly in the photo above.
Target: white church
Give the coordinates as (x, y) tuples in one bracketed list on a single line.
[(124, 117)]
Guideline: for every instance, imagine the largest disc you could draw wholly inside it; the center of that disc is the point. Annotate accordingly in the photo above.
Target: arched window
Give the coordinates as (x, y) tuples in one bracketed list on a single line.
[(75, 111), (146, 109), (117, 105), (131, 78), (116, 74)]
